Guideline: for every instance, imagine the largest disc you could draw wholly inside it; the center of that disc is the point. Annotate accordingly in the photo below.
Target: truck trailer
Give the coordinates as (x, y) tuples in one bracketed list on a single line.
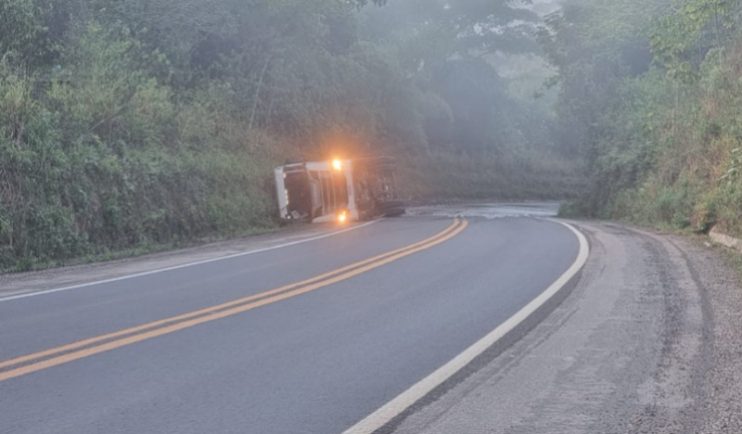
[(338, 190)]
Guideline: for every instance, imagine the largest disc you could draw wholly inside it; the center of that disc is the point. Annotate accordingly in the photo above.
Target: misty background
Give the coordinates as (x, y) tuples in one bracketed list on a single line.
[(132, 125)]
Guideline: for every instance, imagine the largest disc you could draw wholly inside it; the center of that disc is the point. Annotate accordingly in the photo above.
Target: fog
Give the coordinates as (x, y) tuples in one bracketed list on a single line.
[(152, 121)]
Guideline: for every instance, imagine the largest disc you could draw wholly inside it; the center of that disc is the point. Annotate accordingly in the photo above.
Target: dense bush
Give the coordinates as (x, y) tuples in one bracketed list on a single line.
[(129, 124), (73, 185), (102, 156), (661, 130)]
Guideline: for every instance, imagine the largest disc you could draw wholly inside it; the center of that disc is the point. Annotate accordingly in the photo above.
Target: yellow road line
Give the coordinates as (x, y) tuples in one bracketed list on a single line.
[(81, 349), (211, 309)]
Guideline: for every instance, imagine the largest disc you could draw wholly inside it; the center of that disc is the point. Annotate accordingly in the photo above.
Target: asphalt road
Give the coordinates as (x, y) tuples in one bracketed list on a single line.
[(312, 358)]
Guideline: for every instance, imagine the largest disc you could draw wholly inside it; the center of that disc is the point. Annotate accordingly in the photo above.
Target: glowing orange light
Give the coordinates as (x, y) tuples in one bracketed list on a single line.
[(337, 164), (343, 217)]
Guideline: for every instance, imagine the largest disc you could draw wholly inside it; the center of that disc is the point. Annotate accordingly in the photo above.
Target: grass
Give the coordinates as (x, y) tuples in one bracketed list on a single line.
[(140, 250)]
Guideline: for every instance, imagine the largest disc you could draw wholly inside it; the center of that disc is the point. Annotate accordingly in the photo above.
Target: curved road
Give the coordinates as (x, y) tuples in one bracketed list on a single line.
[(312, 358)]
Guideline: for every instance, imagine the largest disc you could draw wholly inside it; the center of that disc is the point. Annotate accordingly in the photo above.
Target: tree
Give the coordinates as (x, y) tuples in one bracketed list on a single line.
[(24, 35)]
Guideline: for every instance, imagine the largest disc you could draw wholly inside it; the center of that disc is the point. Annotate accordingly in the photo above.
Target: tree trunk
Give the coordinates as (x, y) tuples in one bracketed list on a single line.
[(256, 100)]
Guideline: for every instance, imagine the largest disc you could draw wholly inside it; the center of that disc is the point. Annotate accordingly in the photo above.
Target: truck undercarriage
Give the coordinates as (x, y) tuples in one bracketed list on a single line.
[(322, 191)]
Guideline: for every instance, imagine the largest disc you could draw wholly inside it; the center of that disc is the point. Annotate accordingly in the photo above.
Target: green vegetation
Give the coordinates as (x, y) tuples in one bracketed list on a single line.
[(137, 123), (650, 96), (127, 125)]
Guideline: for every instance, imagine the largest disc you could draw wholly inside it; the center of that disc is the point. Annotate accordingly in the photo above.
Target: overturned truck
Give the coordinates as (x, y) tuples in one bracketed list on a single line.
[(338, 190)]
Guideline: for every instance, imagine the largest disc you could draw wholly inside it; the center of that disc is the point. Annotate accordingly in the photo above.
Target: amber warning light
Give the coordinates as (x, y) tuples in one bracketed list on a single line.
[(343, 217)]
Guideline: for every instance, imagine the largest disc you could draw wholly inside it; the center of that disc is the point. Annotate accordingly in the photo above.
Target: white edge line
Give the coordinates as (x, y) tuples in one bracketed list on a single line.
[(406, 399), (177, 267)]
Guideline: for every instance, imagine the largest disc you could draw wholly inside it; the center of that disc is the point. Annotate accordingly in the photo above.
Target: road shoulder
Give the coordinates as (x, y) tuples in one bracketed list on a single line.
[(649, 341), (20, 284)]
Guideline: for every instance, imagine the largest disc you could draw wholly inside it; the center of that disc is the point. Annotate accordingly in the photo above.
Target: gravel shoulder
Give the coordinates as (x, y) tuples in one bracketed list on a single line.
[(649, 341)]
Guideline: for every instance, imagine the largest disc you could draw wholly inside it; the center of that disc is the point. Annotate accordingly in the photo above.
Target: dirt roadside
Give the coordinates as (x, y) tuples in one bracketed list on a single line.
[(649, 341), (722, 409)]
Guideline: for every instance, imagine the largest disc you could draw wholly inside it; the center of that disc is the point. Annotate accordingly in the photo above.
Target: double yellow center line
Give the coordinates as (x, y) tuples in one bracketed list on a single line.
[(56, 356)]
